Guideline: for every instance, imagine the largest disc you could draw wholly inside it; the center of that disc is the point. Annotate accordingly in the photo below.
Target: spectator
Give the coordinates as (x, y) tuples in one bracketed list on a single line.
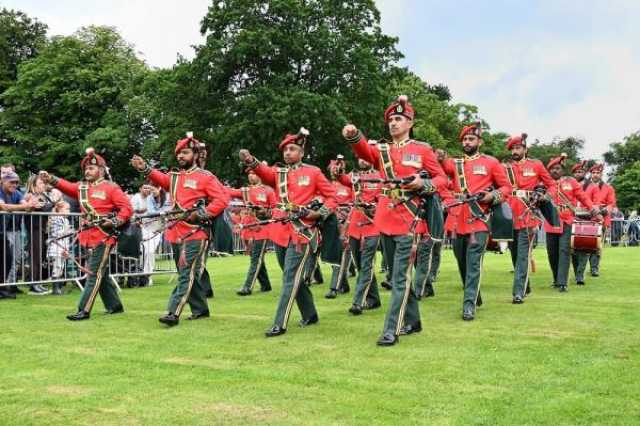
[(36, 226), (150, 199), (58, 250), (11, 201)]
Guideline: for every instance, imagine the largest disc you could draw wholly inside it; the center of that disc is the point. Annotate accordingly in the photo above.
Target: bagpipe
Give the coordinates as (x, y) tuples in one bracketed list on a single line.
[(85, 226), (260, 212), (293, 215), (538, 204), (499, 217), (217, 228)]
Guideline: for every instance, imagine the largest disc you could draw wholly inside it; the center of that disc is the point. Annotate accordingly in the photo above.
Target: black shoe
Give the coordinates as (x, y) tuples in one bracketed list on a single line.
[(369, 306), (517, 300), (204, 314), (385, 285), (429, 292), (265, 289), (344, 289), (117, 310), (355, 310), (78, 316), (306, 322), (468, 315), (57, 289), (275, 331), (7, 296), (411, 328), (563, 289), (209, 294), (169, 319), (243, 292), (595, 273), (387, 339), (331, 295), (554, 285), (580, 283)]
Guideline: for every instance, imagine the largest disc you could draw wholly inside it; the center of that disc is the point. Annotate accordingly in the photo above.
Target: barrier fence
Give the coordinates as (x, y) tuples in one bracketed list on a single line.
[(32, 254)]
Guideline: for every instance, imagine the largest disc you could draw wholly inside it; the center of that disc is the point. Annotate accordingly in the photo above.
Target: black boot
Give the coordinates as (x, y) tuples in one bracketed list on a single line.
[(78, 316), (169, 319)]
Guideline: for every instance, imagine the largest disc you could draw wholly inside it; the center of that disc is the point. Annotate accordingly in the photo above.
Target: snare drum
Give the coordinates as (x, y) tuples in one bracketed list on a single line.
[(586, 236)]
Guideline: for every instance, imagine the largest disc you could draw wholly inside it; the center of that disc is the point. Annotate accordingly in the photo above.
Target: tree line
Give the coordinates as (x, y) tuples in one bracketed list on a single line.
[(264, 68)]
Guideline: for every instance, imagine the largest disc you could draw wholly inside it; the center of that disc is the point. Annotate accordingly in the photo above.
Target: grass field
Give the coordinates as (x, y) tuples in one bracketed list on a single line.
[(559, 359)]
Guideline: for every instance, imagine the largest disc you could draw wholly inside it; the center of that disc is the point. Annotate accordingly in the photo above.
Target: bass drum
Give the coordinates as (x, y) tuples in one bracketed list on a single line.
[(130, 240), (586, 236)]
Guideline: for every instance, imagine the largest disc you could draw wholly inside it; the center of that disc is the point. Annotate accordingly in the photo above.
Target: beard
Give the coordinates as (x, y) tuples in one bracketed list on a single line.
[(470, 150), (184, 164)]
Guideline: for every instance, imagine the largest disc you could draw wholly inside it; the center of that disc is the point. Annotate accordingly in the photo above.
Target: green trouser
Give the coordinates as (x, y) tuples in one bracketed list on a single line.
[(580, 260), (257, 270), (436, 256), (190, 257), (207, 283), (98, 281), (559, 252), (523, 244), (364, 254), (293, 287), (469, 251), (403, 307), (594, 262), (423, 267), (339, 273), (280, 254)]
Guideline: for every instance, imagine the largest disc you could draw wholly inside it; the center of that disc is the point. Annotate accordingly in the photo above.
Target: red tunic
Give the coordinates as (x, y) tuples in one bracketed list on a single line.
[(407, 158), (528, 174), (258, 195), (192, 185), (360, 225), (602, 195), (304, 183), (573, 195), (480, 171), (104, 197)]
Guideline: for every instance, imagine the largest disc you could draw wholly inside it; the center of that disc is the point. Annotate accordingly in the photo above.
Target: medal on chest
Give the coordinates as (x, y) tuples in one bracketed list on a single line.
[(412, 160), (479, 169), (566, 187), (100, 195), (304, 180), (528, 172), (261, 197), (190, 183)]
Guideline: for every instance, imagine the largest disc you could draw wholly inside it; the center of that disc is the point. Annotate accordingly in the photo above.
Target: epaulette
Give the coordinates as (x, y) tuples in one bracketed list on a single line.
[(205, 171), (425, 144), (490, 157)]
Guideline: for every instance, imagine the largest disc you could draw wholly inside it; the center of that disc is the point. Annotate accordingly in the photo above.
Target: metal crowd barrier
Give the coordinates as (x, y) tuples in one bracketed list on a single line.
[(34, 257)]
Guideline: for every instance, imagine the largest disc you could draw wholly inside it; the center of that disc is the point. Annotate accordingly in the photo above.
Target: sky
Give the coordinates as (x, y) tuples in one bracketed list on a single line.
[(550, 68)]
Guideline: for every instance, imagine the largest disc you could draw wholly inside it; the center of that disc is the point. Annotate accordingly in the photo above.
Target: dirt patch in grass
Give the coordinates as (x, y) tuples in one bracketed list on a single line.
[(69, 390), (82, 350), (240, 412), (217, 364)]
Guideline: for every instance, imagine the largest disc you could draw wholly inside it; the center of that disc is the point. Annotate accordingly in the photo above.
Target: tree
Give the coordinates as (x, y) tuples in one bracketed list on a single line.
[(623, 154), (572, 146), (20, 39), (78, 92), (270, 67), (627, 186)]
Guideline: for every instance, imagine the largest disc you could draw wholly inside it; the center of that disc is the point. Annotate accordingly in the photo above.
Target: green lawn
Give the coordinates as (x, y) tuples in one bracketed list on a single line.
[(558, 359)]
